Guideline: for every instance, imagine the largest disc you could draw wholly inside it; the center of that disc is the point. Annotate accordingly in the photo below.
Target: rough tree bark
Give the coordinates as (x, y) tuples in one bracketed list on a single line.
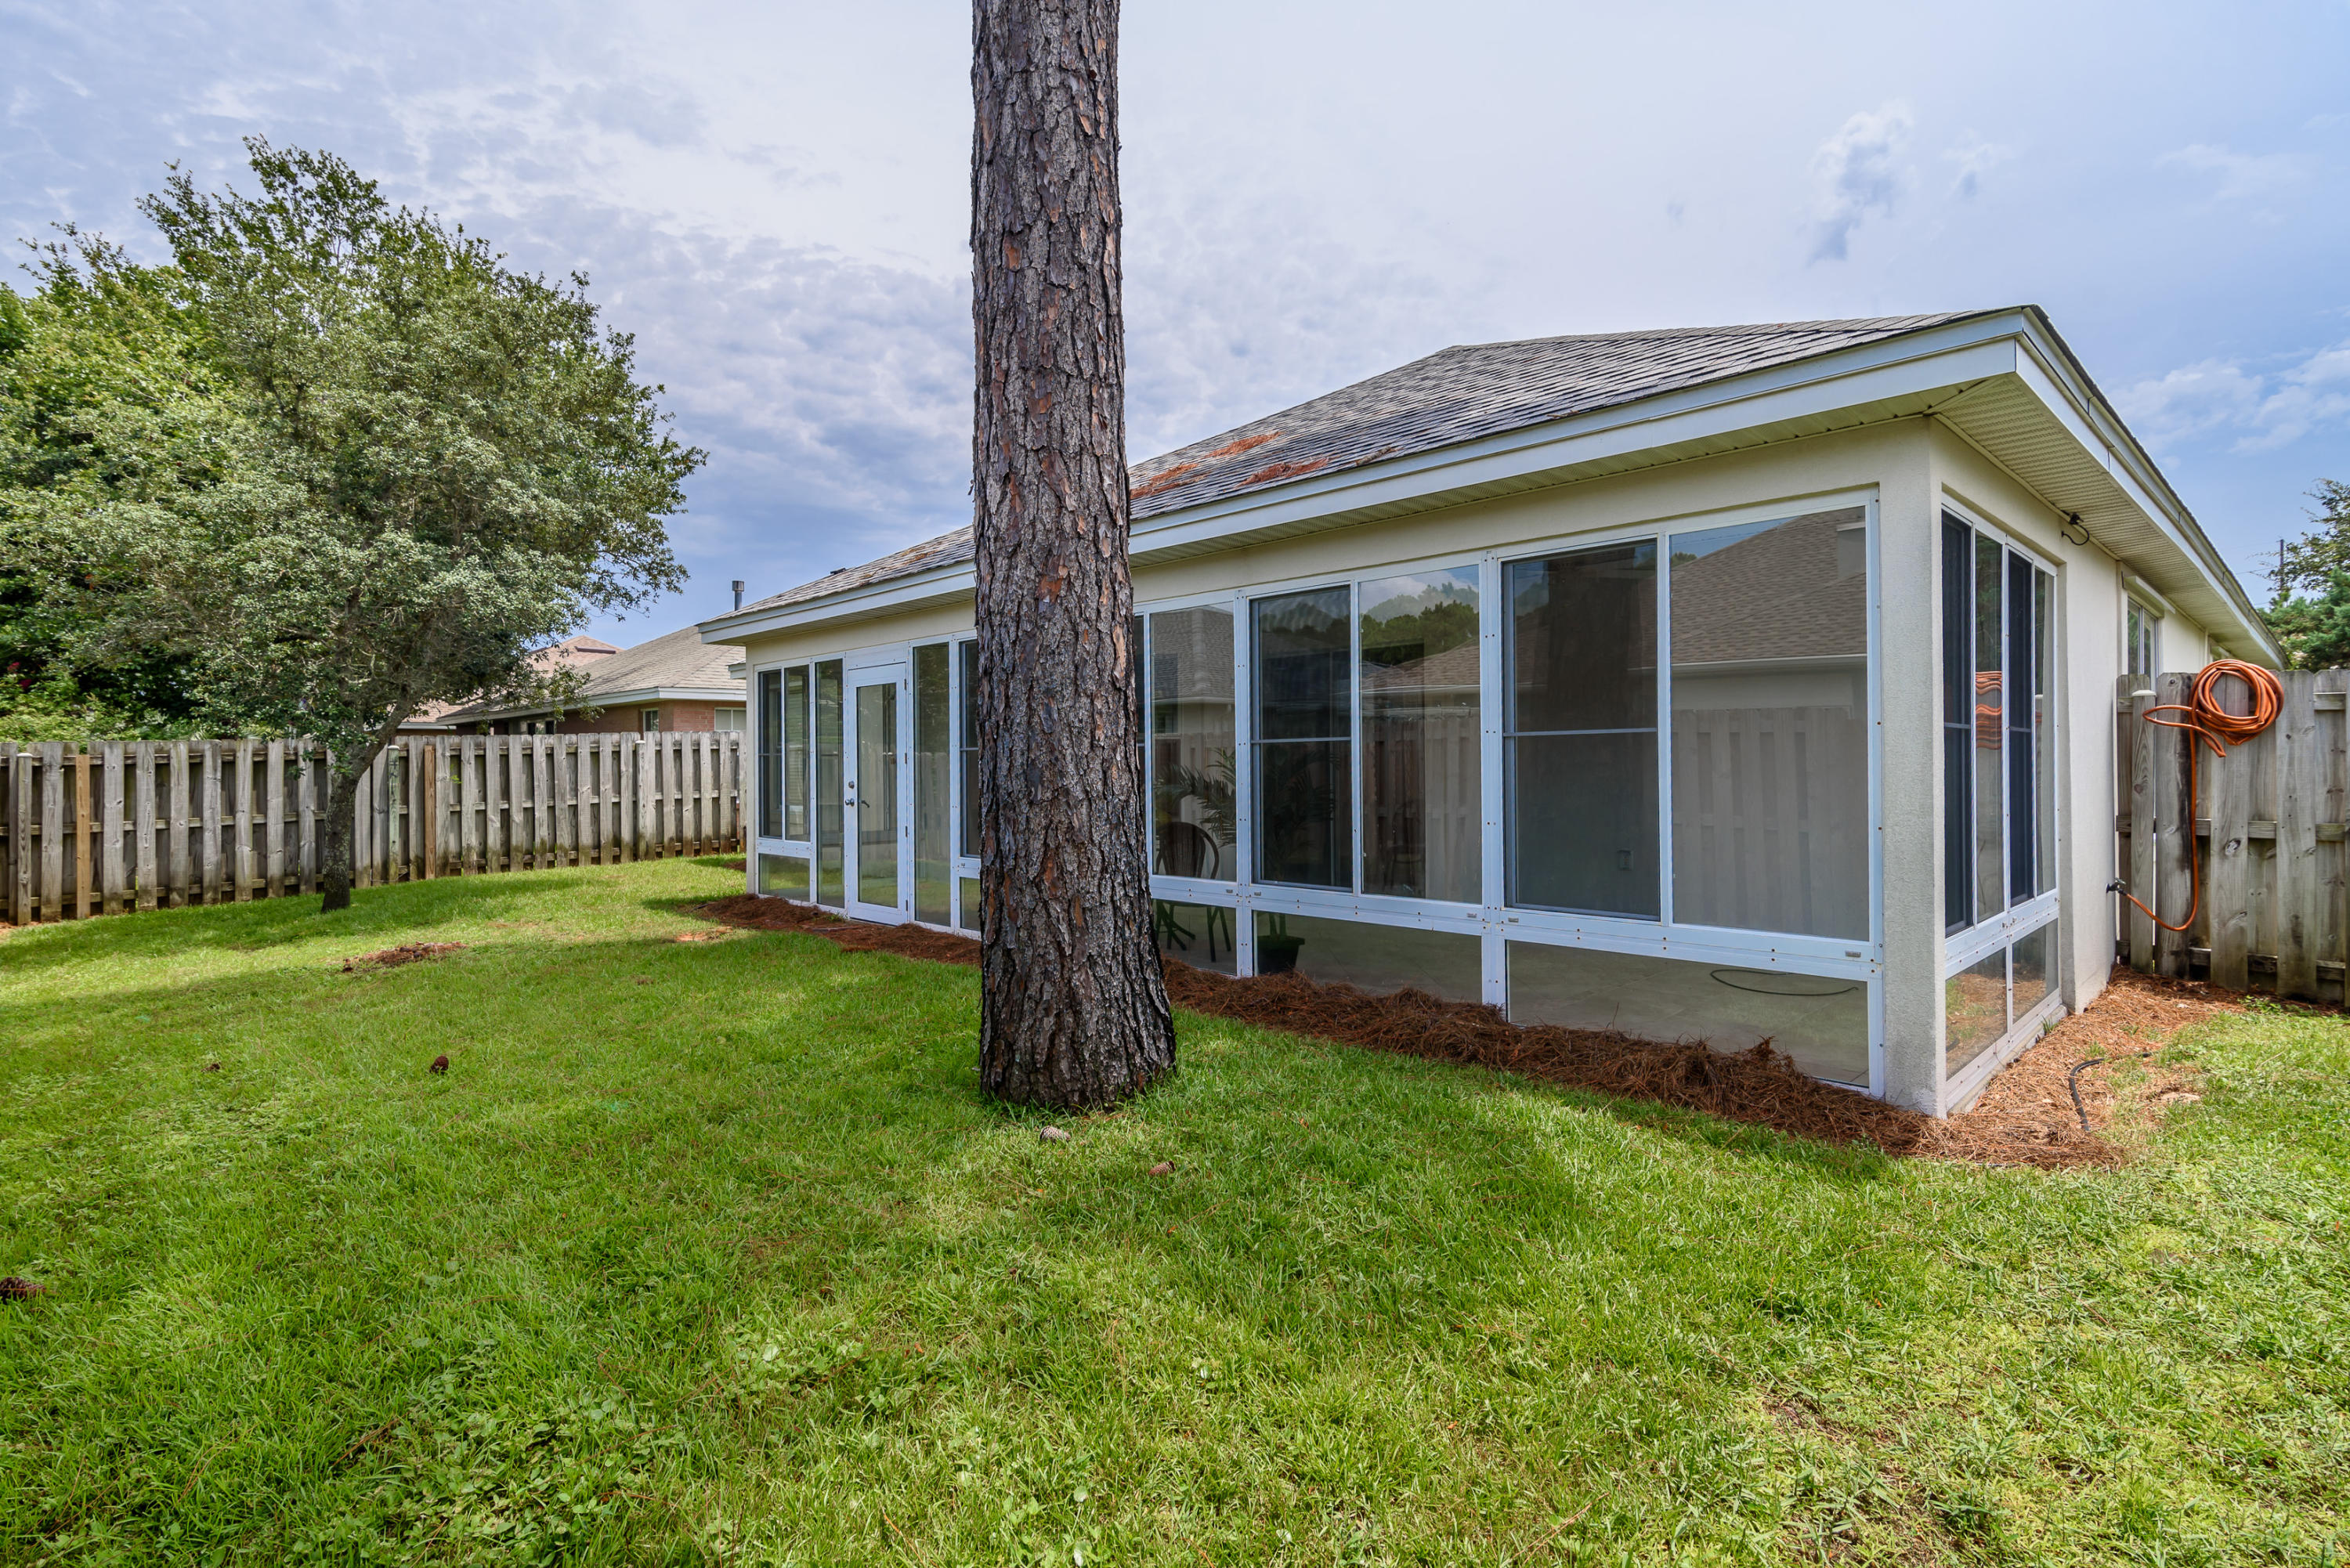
[(337, 869), (1074, 1005)]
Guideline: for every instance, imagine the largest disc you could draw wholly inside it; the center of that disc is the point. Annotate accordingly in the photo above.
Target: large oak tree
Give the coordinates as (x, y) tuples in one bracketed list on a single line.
[(1074, 1005)]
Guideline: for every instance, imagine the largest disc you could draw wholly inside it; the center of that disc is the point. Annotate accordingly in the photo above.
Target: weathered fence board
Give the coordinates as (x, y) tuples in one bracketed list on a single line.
[(2268, 836), (110, 826)]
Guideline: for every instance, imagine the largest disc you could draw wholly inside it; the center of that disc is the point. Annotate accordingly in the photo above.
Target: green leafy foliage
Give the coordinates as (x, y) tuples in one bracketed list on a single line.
[(347, 465), (108, 406), (2314, 627)]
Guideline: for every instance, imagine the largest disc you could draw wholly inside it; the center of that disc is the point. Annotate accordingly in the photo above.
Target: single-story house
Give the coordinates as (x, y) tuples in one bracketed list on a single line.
[(1728, 683), (674, 682)]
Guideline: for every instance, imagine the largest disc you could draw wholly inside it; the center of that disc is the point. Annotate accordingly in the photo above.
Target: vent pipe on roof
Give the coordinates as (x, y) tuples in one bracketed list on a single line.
[(738, 593)]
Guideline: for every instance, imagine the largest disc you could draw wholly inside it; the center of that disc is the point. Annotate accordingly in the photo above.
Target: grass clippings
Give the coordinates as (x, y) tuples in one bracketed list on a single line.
[(392, 958)]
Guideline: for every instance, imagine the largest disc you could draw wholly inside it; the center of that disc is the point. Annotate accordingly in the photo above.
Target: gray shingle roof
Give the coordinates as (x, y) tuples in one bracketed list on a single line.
[(677, 660), (1454, 395)]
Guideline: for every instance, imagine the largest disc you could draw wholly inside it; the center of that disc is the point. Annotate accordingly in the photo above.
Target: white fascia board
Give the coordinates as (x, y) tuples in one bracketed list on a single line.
[(600, 699), (938, 585), (2049, 369), (1955, 355)]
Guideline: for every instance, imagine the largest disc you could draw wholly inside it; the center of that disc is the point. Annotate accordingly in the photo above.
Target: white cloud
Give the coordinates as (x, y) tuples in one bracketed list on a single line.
[(1974, 158), (2243, 176), (1857, 172), (2263, 411)]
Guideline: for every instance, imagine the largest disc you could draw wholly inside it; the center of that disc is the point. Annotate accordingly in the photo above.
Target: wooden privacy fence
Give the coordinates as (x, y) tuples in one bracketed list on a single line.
[(110, 826), (2267, 837)]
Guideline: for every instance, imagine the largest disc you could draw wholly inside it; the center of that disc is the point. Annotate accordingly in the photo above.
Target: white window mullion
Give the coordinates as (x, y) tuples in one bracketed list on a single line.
[(1664, 656), (1355, 725), (1494, 698), (1244, 784)]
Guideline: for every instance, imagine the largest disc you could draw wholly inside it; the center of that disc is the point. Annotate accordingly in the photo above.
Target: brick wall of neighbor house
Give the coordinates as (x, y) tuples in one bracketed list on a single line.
[(686, 716), (625, 720)]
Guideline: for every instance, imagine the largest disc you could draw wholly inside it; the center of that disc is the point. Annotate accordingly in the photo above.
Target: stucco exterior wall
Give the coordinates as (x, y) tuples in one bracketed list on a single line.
[(2091, 598)]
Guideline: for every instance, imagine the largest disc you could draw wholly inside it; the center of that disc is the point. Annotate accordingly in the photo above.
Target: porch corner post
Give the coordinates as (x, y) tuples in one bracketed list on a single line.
[(1908, 644)]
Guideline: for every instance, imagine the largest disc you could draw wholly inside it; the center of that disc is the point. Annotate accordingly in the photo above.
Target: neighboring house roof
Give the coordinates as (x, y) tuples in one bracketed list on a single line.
[(1778, 595), (572, 652), (1464, 422), (676, 666)]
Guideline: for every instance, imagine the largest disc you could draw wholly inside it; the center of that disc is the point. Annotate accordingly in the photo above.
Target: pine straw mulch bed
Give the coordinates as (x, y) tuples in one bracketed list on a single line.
[(2023, 1117)]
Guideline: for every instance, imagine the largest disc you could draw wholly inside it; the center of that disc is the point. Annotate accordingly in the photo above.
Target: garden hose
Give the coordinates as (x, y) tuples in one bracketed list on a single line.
[(2219, 729)]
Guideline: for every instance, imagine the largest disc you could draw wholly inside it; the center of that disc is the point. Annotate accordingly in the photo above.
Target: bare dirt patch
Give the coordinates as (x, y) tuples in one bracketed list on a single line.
[(2018, 1120), (2136, 1012), (392, 958)]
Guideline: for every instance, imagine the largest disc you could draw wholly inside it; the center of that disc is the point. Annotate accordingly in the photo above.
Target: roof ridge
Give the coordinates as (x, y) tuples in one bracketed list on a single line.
[(1821, 324)]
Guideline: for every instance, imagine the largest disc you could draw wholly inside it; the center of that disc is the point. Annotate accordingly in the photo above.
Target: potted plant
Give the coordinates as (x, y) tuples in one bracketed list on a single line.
[(1276, 950)]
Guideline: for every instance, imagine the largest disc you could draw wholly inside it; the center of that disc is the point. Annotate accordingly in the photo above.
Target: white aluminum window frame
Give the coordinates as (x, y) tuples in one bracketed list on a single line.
[(762, 843), (1492, 919), (1970, 945)]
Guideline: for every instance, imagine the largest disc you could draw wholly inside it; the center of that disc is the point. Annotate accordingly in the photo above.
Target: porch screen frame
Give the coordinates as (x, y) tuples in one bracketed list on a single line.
[(1965, 945), (1492, 919), (783, 843)]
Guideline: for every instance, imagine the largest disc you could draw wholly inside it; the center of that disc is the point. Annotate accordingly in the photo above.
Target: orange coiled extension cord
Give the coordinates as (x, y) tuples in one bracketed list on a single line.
[(2219, 729)]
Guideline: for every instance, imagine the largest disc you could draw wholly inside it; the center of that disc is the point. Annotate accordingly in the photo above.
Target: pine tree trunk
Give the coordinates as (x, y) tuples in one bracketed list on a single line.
[(1074, 1005)]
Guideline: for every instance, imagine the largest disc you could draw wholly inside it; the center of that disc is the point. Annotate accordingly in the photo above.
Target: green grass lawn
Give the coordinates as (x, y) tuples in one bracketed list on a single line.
[(712, 1252)]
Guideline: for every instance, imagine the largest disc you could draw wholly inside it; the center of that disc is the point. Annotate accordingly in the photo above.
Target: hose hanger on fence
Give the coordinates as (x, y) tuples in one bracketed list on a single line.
[(2213, 726)]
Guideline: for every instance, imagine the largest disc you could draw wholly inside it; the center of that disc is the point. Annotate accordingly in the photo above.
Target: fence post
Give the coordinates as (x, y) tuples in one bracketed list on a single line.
[(2174, 836), (53, 830), (180, 804), (567, 803), (143, 805), (20, 834), (2300, 804), (78, 847), (2227, 804)]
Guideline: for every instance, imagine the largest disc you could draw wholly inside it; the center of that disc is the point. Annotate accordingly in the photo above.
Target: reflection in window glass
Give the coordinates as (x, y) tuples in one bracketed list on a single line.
[(1999, 797), (831, 888), (2036, 972), (932, 758), (1580, 759), (1770, 746), (771, 753), (1192, 745), (1422, 814), (1974, 1010), (2140, 633), (796, 754), (1821, 1021), (2023, 687), (876, 792), (967, 904), (1377, 959), (967, 745), (1305, 832), (784, 876), (1991, 841), (2044, 706), (1198, 934), (1958, 724)]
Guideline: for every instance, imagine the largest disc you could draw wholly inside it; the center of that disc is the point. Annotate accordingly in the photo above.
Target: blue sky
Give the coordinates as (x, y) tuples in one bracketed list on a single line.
[(774, 198)]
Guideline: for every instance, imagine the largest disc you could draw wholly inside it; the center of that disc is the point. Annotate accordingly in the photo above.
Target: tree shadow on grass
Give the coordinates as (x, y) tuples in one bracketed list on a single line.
[(399, 910)]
